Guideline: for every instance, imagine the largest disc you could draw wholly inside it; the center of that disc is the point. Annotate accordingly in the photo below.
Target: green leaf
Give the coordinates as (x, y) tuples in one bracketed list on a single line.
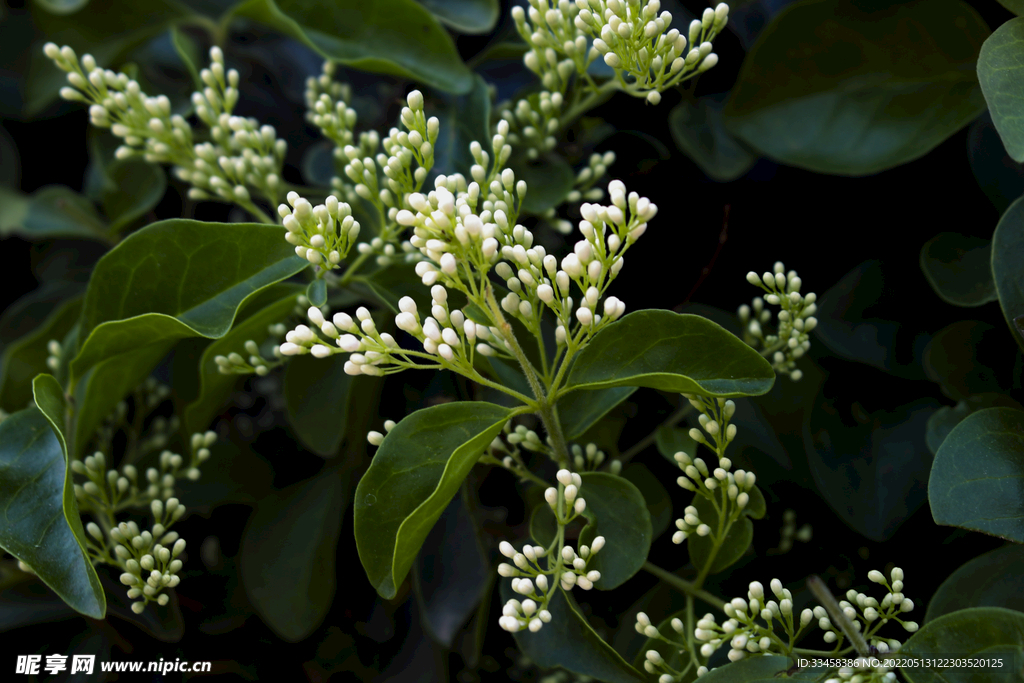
[(288, 554), (616, 510), (697, 129), (411, 479), (832, 88), (26, 357), (750, 670), (976, 477), (676, 657), (959, 268), (739, 538), (548, 181), (966, 358), (942, 422), (465, 119), (396, 37), (1007, 257), (271, 306), (41, 525), (133, 189), (671, 352), (465, 16), (316, 292), (989, 580), (170, 280), (568, 641), (997, 66), (989, 632), (188, 53), (672, 440), (659, 504), (53, 211), (317, 393), (1015, 6), (579, 411)]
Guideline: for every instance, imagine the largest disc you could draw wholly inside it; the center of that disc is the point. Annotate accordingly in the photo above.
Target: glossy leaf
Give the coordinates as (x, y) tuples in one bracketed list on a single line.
[(863, 91), (26, 357), (749, 670), (659, 503), (54, 211), (697, 129), (989, 580), (976, 477), (671, 352), (316, 292), (997, 66), (1015, 6), (548, 181), (672, 440), (317, 394), (1007, 255), (958, 268), (990, 632), (133, 188), (739, 538), (465, 16), (271, 306), (942, 422), (396, 37), (288, 554), (616, 510), (569, 642), (39, 510), (675, 656), (411, 479), (580, 410)]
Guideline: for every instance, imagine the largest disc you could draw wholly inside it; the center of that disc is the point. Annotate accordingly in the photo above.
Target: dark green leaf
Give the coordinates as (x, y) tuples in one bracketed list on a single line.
[(976, 479), (316, 292), (989, 632), (942, 422), (390, 284), (697, 129), (616, 510), (989, 580), (999, 177), (465, 119), (465, 16), (671, 352), (676, 657), (966, 358), (672, 440), (25, 358), (749, 670), (133, 189), (862, 91), (543, 525), (188, 53), (411, 479), (996, 72), (548, 181), (288, 554), (41, 525), (580, 410), (1015, 6), (739, 538), (317, 394), (1007, 257), (959, 268), (271, 306), (396, 37), (54, 211), (569, 642), (659, 504)]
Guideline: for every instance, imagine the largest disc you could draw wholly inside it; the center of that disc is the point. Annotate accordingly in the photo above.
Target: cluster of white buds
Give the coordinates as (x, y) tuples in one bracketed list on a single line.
[(254, 363), (323, 235), (654, 663), (796, 319), (158, 434), (149, 558), (557, 48), (587, 458), (534, 121), (568, 489), (54, 353), (369, 349), (864, 672), (376, 438), (893, 604), (327, 107), (386, 252), (588, 177), (401, 149), (632, 37), (789, 532), (714, 416)]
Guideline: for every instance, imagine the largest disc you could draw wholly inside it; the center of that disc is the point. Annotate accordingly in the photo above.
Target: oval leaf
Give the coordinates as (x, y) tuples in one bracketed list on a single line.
[(316, 394), (697, 129), (465, 16), (959, 268), (672, 440), (133, 188), (989, 632), (54, 211), (942, 422), (675, 656), (989, 580), (977, 479), (863, 91), (288, 554), (671, 352), (412, 478), (397, 37), (736, 542), (997, 65), (616, 510), (1007, 257), (579, 411), (39, 509)]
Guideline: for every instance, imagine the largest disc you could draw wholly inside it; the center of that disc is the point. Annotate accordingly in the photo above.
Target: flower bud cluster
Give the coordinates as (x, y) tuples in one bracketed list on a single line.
[(863, 672), (149, 558), (796, 319), (569, 485), (534, 121), (654, 663), (254, 362), (588, 177), (634, 36), (376, 438), (327, 107), (323, 235), (588, 458), (388, 254), (369, 348), (557, 48), (54, 353), (789, 532)]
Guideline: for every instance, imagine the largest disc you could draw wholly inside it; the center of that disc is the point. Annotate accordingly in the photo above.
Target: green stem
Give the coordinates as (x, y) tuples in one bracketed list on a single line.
[(689, 588), (353, 269), (593, 99)]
